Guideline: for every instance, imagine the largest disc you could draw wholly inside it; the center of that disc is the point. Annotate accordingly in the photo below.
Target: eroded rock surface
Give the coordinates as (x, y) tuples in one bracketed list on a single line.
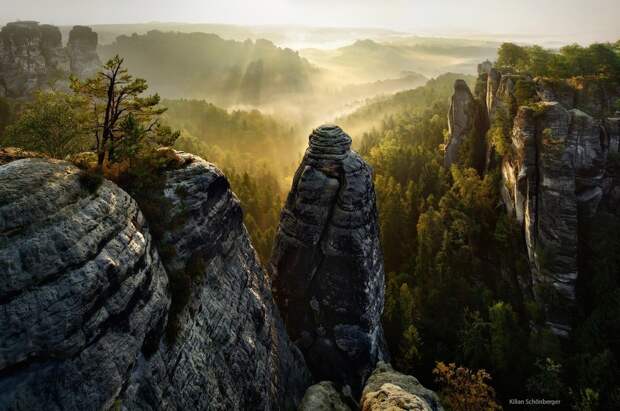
[(556, 172), (327, 264), (82, 289), (597, 97)]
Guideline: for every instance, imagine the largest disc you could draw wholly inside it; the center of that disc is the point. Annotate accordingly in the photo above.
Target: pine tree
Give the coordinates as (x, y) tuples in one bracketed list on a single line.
[(123, 119)]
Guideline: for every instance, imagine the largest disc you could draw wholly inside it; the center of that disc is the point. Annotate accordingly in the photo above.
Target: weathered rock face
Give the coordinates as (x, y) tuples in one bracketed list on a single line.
[(545, 198), (387, 389), (492, 85), (327, 264), (232, 351), (82, 290), (85, 298), (555, 177), (32, 57), (467, 126)]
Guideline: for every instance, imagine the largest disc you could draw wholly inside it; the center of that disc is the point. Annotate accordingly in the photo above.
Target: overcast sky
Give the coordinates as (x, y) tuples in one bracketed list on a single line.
[(587, 19)]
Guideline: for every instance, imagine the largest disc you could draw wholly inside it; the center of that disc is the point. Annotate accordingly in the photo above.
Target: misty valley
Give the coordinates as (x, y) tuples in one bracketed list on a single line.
[(201, 216)]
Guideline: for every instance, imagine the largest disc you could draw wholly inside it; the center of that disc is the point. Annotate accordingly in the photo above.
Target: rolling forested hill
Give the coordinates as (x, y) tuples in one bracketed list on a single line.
[(367, 59), (200, 65)]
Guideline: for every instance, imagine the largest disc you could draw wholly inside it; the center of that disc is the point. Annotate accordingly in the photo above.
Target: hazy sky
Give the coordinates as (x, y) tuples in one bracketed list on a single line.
[(587, 19)]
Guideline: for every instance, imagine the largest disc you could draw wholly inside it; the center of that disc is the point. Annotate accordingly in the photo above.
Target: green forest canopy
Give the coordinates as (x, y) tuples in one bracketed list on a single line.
[(599, 59)]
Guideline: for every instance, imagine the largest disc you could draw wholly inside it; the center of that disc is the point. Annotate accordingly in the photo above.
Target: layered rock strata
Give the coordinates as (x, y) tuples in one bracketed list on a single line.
[(82, 288)]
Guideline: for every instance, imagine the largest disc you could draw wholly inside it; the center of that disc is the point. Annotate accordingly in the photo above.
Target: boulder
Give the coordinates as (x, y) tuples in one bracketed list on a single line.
[(83, 293), (389, 390), (327, 264), (323, 397)]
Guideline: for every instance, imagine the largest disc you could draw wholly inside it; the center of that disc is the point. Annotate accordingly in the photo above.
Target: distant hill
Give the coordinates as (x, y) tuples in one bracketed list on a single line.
[(201, 65), (371, 60), (409, 80), (282, 35), (414, 101)]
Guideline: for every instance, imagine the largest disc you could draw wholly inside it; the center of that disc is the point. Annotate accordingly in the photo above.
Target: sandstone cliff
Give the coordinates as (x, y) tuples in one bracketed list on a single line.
[(32, 57), (86, 295), (561, 138), (327, 263)]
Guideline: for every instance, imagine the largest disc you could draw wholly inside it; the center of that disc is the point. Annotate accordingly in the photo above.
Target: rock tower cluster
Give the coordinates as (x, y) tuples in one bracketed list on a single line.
[(32, 57), (557, 167)]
